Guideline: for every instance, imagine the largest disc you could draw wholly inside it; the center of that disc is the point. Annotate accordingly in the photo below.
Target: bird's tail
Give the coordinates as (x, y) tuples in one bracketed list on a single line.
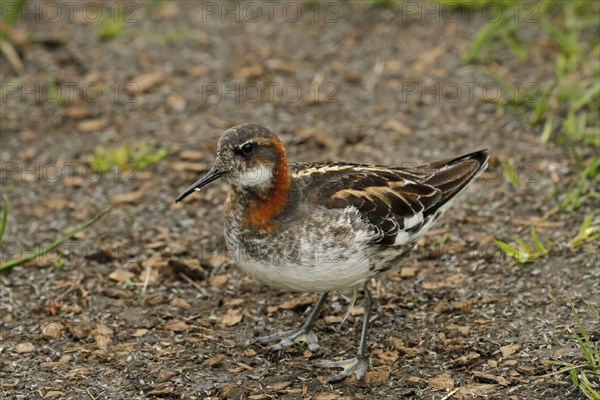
[(451, 176)]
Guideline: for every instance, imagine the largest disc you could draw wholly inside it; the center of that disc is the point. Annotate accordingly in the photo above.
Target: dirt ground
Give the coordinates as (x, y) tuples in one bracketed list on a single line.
[(146, 304)]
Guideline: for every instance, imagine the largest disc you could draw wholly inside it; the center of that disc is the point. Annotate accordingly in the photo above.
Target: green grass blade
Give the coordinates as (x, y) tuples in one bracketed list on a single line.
[(578, 320), (540, 247), (484, 35), (31, 255), (588, 96), (514, 43), (507, 248), (547, 131), (510, 172), (4, 219), (12, 12), (585, 232), (589, 391)]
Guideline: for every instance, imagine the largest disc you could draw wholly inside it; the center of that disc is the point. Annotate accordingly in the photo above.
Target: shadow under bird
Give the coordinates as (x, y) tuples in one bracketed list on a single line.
[(321, 227)]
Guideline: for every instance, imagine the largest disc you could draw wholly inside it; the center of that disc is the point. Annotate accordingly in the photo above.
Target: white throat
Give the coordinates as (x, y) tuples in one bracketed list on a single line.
[(259, 177)]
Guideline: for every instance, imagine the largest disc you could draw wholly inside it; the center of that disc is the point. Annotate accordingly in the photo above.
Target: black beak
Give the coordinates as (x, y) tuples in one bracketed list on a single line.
[(210, 176)]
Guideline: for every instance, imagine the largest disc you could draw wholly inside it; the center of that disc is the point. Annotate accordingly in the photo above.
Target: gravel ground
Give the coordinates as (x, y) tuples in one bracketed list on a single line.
[(146, 304)]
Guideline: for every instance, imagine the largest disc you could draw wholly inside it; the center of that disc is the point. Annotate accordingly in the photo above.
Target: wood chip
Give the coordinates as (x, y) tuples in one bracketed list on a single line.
[(176, 103), (396, 126), (326, 396), (456, 330), (510, 349), (189, 267), (441, 382), (24, 347), (352, 76), (433, 285), (101, 329), (408, 272), (76, 112), (215, 361), (463, 306), (332, 319), (53, 364), (155, 245), (403, 349), (154, 262), (538, 222), (53, 330), (468, 358), (176, 325), (121, 275), (260, 397), (248, 352), (442, 306), (357, 310), (388, 357), (245, 366), (77, 372), (218, 280), (143, 82), (234, 303), (192, 155), (251, 72), (128, 198), (297, 303), (54, 393), (489, 378), (281, 66), (161, 392), (91, 125), (415, 381), (140, 332), (180, 302), (232, 317), (377, 375), (102, 341)]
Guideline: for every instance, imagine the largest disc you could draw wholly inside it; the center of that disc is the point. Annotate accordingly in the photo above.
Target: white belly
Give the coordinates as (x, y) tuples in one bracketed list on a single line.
[(310, 274), (303, 258)]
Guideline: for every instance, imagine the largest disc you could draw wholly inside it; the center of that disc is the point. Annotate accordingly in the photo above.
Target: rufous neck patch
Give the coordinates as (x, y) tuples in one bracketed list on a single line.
[(262, 211)]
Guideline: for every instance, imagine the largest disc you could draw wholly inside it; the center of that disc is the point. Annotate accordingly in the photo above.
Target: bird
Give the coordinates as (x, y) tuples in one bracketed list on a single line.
[(326, 226)]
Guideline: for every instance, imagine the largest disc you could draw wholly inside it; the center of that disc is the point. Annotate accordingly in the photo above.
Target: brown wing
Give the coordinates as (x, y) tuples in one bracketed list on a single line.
[(396, 202)]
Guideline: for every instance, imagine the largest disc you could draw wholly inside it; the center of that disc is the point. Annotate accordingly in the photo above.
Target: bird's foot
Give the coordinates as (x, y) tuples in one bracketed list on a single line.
[(356, 365), (294, 337)]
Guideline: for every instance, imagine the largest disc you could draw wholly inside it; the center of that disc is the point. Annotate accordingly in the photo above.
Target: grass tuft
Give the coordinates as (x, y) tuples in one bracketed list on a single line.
[(565, 100), (124, 157), (587, 233), (584, 376), (49, 247), (111, 24), (11, 11), (511, 172), (523, 252)]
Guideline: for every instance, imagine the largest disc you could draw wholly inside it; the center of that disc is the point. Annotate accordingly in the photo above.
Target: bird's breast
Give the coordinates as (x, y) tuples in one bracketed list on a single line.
[(319, 253)]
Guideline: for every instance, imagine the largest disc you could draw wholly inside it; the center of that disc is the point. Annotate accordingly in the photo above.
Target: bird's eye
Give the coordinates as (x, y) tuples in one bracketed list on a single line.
[(247, 148)]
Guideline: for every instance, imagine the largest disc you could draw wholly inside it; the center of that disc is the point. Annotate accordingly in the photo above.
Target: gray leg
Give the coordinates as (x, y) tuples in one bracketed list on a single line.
[(289, 337), (359, 364)]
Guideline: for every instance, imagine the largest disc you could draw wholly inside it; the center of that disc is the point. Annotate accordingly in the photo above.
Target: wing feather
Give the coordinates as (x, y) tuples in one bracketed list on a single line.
[(390, 198)]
